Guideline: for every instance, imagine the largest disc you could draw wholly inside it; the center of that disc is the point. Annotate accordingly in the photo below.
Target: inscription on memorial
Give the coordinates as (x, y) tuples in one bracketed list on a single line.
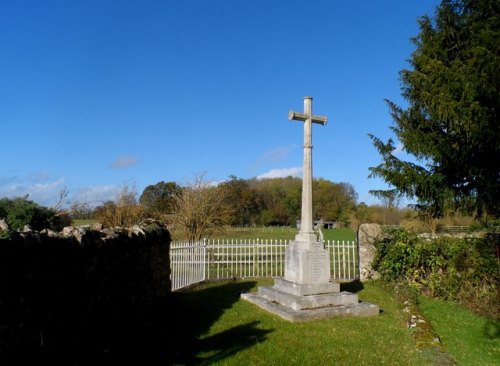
[(317, 263), (292, 263)]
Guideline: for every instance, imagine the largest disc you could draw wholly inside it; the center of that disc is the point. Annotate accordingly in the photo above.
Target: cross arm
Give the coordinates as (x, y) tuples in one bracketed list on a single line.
[(303, 117)]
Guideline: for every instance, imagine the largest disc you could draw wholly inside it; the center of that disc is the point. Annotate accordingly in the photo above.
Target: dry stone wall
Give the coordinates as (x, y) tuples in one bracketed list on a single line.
[(56, 286)]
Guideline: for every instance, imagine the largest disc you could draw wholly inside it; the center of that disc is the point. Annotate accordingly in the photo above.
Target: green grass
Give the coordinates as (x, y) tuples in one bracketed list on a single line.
[(469, 338), (220, 328), (81, 222), (258, 233), (339, 234)]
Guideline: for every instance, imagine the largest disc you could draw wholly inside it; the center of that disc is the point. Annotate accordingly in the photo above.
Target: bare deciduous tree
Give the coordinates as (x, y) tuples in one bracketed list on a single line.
[(201, 209), (124, 211), (63, 194), (80, 210)]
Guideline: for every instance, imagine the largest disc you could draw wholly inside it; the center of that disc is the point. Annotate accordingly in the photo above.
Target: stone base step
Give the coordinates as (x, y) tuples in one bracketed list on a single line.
[(287, 313), (297, 302), (305, 289)]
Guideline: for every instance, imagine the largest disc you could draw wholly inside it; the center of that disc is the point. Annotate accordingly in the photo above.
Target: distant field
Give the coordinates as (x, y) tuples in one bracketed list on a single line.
[(81, 222), (280, 233), (339, 234)]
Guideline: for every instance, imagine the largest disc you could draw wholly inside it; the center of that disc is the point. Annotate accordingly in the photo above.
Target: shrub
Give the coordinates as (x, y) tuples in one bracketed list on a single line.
[(20, 211), (458, 269), (124, 211)]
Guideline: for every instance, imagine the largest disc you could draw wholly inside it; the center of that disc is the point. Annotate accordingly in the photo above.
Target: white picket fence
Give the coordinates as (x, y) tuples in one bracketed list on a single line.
[(191, 263)]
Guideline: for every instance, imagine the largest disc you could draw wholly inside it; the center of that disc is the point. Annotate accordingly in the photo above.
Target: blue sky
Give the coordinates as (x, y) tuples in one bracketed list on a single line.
[(94, 94)]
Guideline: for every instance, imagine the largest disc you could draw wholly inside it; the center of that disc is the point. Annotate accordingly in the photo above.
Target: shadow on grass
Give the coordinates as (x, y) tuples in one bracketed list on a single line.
[(196, 311), (491, 329), (165, 333), (354, 286), (229, 342)]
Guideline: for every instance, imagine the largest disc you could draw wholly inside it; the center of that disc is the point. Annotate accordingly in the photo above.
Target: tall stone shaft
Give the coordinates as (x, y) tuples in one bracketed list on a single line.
[(306, 232), (306, 226)]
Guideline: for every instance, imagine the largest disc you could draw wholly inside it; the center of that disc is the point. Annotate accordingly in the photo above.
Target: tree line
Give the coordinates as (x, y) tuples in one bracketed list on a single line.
[(199, 208), (249, 202)]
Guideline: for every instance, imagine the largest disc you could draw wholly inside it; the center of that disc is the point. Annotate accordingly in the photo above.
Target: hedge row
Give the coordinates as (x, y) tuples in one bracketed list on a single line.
[(465, 270)]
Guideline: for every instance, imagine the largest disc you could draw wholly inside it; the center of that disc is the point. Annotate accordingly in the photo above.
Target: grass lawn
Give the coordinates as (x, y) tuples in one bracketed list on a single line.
[(219, 328), (81, 222), (339, 234), (469, 338), (257, 233)]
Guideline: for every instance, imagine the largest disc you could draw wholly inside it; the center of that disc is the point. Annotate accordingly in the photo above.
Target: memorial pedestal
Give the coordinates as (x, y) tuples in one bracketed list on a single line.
[(283, 300), (307, 262), (306, 293)]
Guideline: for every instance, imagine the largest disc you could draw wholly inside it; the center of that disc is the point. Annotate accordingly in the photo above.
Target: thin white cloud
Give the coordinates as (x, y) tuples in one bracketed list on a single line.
[(38, 186), (273, 156), (96, 195), (282, 173), (39, 176), (124, 161), (276, 155), (44, 190)]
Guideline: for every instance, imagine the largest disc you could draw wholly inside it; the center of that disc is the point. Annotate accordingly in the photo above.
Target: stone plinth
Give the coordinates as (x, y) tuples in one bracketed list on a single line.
[(295, 302), (301, 289), (306, 293), (307, 263), (310, 301), (295, 316)]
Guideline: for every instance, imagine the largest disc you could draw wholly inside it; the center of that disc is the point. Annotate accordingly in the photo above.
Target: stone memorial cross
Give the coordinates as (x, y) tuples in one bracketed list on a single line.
[(306, 233), (305, 292)]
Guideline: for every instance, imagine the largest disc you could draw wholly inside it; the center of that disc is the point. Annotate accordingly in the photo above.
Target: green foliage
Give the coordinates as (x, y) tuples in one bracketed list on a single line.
[(6, 234), (451, 124), (269, 202), (278, 200), (158, 199), (458, 269), (20, 211), (333, 201), (392, 256), (243, 198)]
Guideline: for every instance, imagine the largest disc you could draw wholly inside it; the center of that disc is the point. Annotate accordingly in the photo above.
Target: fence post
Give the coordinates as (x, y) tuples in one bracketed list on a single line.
[(206, 262)]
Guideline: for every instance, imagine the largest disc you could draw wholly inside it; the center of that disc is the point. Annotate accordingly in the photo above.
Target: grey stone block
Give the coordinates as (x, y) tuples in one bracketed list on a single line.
[(305, 289), (358, 310), (310, 301)]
